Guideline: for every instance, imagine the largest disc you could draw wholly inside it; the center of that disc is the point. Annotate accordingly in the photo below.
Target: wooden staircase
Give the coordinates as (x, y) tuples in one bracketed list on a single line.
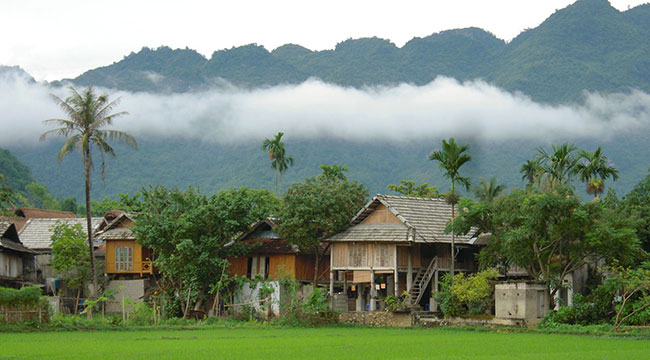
[(421, 280)]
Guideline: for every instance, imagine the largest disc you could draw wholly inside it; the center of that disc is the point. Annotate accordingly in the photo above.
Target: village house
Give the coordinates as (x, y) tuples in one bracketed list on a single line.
[(396, 243), (16, 261), (128, 264), (36, 234), (273, 259)]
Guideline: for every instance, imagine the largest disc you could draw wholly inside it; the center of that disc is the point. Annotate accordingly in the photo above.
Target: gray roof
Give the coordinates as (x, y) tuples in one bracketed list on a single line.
[(9, 238), (37, 233), (423, 220), (114, 231)]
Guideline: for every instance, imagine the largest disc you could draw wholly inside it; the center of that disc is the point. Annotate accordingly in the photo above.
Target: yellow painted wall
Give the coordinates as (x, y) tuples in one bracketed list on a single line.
[(111, 245)]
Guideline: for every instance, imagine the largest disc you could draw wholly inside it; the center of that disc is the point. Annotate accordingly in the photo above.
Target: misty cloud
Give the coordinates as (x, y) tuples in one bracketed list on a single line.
[(313, 109)]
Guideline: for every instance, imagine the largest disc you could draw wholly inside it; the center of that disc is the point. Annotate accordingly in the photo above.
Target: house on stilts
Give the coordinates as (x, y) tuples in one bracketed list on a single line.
[(396, 243)]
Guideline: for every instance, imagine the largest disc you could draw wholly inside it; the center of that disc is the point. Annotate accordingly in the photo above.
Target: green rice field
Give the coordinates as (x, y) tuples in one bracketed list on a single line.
[(316, 343)]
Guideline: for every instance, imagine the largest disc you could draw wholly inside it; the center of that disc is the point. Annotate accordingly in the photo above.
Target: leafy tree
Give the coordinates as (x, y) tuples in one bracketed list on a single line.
[(488, 191), (593, 168), (409, 188), (632, 284), (549, 234), (450, 159), (279, 161), (318, 208), (85, 129), (560, 164), (188, 231), (37, 196), (636, 204), (69, 204), (70, 256), (6, 195)]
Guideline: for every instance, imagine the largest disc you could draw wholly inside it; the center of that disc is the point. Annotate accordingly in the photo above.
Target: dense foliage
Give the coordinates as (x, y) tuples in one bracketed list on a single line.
[(188, 233), (467, 294), (549, 233), (318, 208)]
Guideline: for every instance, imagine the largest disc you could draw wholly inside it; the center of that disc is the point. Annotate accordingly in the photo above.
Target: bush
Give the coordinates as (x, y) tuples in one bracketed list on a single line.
[(25, 298), (473, 294)]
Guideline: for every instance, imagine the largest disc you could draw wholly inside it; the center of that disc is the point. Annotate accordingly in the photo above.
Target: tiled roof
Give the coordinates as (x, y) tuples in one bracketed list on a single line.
[(37, 233), (425, 220), (9, 238), (374, 232), (44, 213), (116, 234), (113, 231)]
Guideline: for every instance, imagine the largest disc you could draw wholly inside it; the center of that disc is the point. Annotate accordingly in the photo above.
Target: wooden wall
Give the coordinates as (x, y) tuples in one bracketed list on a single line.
[(110, 256), (381, 215), (11, 265), (403, 253), (363, 255)]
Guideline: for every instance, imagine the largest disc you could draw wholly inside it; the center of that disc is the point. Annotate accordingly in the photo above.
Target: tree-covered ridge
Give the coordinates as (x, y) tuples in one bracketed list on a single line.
[(17, 175), (586, 46)]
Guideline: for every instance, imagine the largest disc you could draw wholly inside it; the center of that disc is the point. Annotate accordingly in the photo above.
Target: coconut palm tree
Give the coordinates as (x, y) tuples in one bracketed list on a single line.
[(488, 191), (531, 170), (593, 168), (560, 164), (450, 159), (279, 161), (85, 129)]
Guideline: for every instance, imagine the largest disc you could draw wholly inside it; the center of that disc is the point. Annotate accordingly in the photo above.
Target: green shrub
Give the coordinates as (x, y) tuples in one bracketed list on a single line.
[(25, 298), (473, 294)]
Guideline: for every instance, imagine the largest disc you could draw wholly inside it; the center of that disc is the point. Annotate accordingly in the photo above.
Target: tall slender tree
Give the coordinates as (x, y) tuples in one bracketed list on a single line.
[(593, 168), (85, 129), (279, 161), (531, 170), (488, 190), (560, 164), (450, 158)]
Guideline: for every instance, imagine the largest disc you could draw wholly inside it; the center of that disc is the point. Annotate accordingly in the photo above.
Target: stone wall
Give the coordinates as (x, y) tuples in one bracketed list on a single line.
[(377, 318), (133, 289), (461, 321)]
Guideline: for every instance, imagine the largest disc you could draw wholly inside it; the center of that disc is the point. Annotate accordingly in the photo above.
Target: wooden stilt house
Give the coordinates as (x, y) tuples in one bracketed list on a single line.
[(397, 243)]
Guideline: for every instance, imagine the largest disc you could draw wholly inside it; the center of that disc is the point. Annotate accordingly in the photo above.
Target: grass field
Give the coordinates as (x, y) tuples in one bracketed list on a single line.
[(319, 343)]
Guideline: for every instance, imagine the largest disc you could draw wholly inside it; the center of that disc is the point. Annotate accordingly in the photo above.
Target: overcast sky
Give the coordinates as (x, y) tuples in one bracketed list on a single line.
[(56, 39)]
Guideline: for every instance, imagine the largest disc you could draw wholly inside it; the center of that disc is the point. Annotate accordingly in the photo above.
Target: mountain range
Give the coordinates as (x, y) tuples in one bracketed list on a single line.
[(588, 46)]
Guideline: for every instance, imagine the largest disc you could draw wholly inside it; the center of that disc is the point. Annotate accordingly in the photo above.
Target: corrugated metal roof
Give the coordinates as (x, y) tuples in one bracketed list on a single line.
[(37, 233), (425, 218)]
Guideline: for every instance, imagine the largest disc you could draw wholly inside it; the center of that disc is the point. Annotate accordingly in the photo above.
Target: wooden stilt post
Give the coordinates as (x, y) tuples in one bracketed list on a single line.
[(331, 289), (373, 303), (409, 274), (396, 276)]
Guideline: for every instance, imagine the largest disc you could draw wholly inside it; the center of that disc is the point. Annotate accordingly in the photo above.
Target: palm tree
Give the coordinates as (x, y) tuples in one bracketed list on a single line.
[(531, 170), (559, 165), (488, 191), (279, 161), (450, 159), (88, 116), (593, 169)]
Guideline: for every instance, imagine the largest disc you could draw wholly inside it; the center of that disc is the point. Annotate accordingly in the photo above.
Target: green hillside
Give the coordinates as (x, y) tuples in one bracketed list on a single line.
[(587, 46), (17, 174)]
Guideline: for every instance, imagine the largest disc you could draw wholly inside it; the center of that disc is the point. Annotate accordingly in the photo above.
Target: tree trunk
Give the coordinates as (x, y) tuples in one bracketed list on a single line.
[(453, 235), (91, 250)]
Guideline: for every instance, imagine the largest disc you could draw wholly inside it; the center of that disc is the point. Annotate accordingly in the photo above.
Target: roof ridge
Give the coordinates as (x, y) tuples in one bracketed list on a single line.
[(410, 197)]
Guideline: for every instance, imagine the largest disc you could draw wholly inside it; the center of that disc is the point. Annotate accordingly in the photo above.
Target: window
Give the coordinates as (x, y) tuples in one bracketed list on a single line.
[(123, 258)]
